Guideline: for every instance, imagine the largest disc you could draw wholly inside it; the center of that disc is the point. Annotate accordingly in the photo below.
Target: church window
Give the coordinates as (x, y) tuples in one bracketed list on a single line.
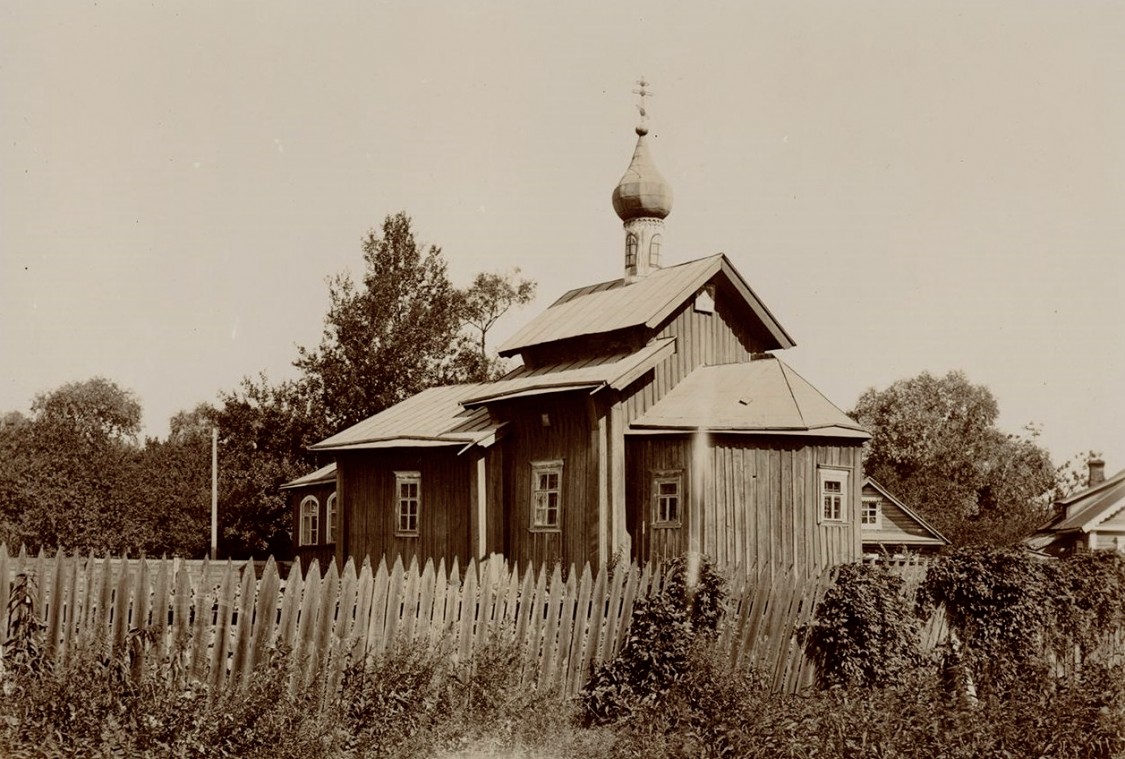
[(546, 495), (654, 251), (631, 251), (333, 527), (833, 495), (408, 494), (310, 519), (667, 488)]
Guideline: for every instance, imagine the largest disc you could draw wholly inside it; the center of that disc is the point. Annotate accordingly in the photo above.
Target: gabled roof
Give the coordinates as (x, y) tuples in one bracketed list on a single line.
[(433, 417), (617, 305), (323, 475), (616, 371), (763, 396), (1088, 508), (899, 538)]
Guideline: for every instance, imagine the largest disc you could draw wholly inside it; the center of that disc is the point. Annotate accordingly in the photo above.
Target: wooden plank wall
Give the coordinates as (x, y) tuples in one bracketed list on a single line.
[(567, 437), (759, 500), (367, 497), (701, 339), (322, 551)]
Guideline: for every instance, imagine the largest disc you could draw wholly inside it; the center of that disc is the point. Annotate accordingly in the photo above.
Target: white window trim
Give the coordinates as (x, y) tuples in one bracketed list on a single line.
[(331, 526), (402, 478), (831, 474), (310, 522), (878, 523), (554, 466), (658, 478)]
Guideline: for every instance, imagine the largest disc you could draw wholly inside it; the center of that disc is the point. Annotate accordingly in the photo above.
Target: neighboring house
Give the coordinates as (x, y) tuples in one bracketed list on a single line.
[(1092, 518), (647, 419), (316, 516), (889, 527)]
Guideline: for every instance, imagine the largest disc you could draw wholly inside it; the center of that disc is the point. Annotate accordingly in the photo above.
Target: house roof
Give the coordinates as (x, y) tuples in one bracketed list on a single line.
[(1088, 508), (616, 305), (869, 535), (433, 417), (592, 373), (320, 476), (763, 396)]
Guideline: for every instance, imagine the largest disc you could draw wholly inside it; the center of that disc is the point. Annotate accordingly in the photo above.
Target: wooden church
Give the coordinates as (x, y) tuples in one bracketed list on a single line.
[(649, 417)]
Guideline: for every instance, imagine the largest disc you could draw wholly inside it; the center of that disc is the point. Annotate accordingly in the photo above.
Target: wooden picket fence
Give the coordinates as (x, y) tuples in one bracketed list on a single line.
[(218, 622)]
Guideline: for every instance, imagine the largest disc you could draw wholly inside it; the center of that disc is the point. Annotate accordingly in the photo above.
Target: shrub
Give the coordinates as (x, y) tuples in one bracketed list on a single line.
[(662, 632), (865, 632)]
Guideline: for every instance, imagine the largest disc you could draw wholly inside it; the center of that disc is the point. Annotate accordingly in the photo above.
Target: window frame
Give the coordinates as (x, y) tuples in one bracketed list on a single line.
[(877, 523), (837, 475), (632, 250), (408, 478), (666, 476), (308, 533), (331, 519), (555, 467)]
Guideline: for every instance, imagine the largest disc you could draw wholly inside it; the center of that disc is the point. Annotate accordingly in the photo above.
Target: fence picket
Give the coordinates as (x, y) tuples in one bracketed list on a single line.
[(217, 623)]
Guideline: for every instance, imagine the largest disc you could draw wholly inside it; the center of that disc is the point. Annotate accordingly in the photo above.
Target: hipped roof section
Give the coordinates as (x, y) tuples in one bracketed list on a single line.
[(433, 417), (763, 396), (617, 305), (320, 476)]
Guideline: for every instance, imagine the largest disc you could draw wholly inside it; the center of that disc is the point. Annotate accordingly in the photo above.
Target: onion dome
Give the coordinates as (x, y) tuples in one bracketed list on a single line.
[(642, 191)]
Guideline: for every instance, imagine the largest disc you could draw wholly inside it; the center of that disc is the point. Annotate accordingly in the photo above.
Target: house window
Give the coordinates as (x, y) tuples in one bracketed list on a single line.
[(310, 519), (631, 251), (546, 494), (872, 514), (833, 495), (666, 490), (332, 528), (408, 495)]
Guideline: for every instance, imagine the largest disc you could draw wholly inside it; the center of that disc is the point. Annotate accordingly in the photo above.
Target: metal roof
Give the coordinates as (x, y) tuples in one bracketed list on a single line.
[(762, 396), (592, 373), (616, 305), (1088, 508), (938, 538), (324, 474), (433, 416)]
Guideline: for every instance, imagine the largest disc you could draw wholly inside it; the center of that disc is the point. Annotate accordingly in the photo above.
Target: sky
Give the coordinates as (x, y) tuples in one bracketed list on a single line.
[(926, 186)]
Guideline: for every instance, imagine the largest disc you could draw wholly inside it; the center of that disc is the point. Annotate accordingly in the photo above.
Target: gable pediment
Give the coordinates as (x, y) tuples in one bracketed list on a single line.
[(618, 306)]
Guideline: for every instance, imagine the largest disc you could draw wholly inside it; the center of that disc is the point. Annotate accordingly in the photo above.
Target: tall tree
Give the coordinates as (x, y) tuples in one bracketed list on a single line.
[(76, 481), (390, 338), (177, 485), (935, 444), (486, 300), (264, 433)]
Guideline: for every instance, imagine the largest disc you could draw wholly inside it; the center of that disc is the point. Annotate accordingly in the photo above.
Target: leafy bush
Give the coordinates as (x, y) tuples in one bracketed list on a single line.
[(865, 631), (662, 632), (1015, 612)]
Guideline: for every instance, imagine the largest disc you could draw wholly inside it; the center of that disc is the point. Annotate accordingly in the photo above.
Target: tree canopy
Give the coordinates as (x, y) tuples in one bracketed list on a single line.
[(936, 446), (73, 474)]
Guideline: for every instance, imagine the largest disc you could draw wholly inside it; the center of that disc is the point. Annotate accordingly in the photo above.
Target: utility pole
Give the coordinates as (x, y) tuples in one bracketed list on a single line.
[(214, 493)]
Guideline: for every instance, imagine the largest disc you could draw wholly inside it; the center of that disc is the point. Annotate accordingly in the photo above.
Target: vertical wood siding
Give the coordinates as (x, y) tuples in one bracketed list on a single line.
[(367, 497), (569, 438), (760, 501), (322, 552), (701, 339)]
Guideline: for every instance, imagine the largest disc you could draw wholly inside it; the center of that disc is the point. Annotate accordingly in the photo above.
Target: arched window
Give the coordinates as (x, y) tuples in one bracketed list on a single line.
[(654, 251), (332, 529), (630, 251), (310, 518)]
